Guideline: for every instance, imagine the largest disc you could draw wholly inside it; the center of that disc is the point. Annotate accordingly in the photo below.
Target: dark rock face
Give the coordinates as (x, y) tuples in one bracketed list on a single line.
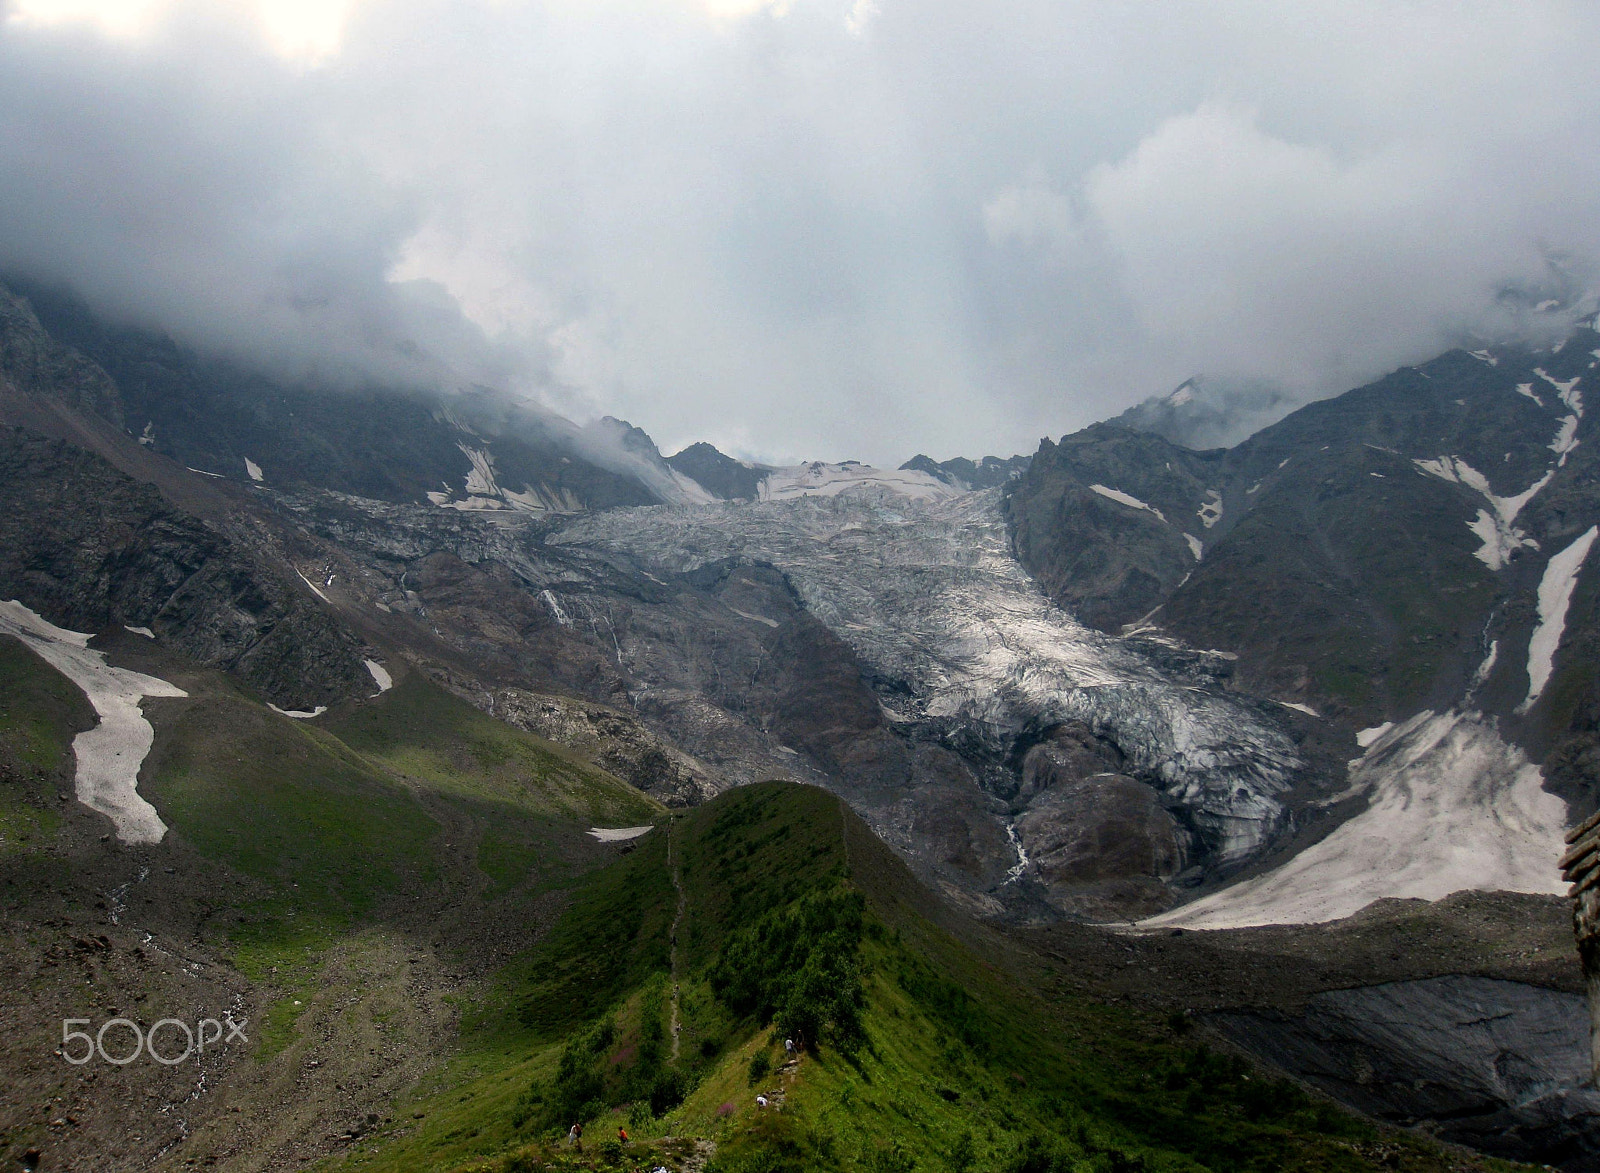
[(36, 364), (1107, 561), (378, 442), (1362, 555), (89, 548), (722, 476), (988, 473), (1498, 1065), (616, 741), (1208, 413), (1099, 840)]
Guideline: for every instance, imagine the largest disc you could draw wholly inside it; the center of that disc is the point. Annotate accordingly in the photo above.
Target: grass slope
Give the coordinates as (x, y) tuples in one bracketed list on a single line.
[(40, 713), (932, 1055)]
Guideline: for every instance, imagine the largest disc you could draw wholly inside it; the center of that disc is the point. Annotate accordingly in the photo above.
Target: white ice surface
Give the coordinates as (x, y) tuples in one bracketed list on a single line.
[(1019, 869), (1211, 511), (1487, 666), (818, 479), (1527, 389), (1484, 356), (1195, 547), (554, 604), (110, 754), (1300, 708), (144, 631), (928, 594), (253, 469), (1500, 537), (299, 714), (480, 477), (618, 834), (313, 586), (380, 676), (1129, 499), (1555, 595), (1452, 807), (1366, 737)]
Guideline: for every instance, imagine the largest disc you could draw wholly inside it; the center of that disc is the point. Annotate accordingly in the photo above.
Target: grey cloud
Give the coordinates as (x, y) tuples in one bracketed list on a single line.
[(824, 230)]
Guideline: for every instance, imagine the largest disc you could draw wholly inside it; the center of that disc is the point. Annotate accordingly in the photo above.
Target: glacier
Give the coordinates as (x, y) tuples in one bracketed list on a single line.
[(927, 594)]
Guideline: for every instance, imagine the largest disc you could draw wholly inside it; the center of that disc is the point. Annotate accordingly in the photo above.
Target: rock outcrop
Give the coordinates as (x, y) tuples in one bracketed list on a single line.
[(89, 548)]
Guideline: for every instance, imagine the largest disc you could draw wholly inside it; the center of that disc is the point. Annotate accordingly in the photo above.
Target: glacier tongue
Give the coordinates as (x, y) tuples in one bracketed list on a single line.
[(929, 597)]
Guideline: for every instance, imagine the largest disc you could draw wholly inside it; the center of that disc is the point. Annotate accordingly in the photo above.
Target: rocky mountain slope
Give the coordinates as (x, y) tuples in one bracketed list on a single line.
[(1407, 562), (1346, 660)]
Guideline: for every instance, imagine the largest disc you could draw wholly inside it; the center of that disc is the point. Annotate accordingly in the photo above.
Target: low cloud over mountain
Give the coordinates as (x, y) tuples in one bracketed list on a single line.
[(796, 229)]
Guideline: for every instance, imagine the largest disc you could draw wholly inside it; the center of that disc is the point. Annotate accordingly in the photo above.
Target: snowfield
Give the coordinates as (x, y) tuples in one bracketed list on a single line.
[(110, 754), (1555, 596), (1452, 807)]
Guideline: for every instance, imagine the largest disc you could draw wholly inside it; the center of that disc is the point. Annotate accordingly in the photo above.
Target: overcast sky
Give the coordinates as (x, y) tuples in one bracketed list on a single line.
[(813, 228)]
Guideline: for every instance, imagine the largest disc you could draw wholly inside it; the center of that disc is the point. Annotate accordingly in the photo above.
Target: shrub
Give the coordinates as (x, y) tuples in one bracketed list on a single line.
[(760, 1065), (798, 967)]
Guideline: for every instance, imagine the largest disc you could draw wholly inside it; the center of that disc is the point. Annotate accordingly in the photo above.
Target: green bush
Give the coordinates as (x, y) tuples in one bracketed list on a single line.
[(760, 1066), (800, 968)]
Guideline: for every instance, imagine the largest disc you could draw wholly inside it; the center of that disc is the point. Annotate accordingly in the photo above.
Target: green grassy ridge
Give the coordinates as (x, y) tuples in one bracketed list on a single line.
[(421, 732), (962, 1066), (40, 713), (339, 817)]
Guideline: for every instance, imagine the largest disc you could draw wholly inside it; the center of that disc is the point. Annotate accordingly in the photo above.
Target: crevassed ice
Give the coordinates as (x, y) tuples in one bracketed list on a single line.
[(928, 594)]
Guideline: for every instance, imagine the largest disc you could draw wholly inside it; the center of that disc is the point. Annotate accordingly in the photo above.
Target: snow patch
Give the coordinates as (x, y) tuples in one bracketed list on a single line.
[(618, 834), (1122, 498), (555, 608), (1452, 807), (1019, 869), (1487, 666), (252, 468), (1195, 547), (1527, 389), (1211, 510), (1367, 737), (1555, 595), (1484, 356), (299, 714), (110, 754), (1495, 530), (314, 587), (380, 676), (1300, 708), (1566, 438), (689, 490), (1568, 391), (204, 473), (144, 631), (754, 618)]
